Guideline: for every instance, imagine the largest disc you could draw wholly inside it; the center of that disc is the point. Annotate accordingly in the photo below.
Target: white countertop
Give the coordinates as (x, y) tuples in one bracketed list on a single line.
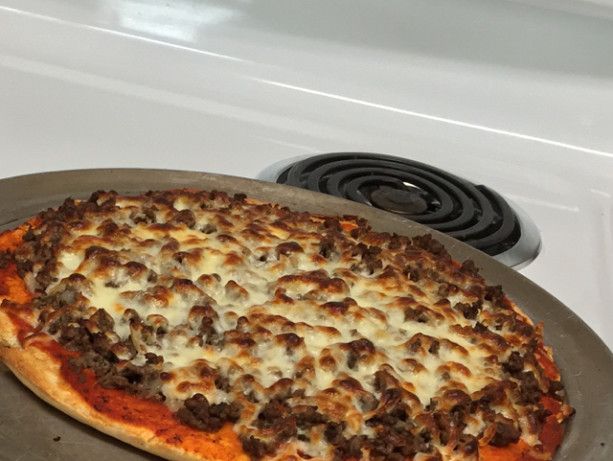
[(232, 87)]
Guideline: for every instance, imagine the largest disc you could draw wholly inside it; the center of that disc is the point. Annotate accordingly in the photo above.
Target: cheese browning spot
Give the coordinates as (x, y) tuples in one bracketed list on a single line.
[(315, 337)]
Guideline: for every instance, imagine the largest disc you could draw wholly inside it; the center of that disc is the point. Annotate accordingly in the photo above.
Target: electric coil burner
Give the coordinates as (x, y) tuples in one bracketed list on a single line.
[(471, 213)]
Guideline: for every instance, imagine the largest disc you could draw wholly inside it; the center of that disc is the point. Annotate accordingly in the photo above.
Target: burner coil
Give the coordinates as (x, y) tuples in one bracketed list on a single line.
[(471, 213)]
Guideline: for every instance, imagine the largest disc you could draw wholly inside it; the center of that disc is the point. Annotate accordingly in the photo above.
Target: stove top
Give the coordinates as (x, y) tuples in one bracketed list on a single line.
[(474, 214), (512, 95)]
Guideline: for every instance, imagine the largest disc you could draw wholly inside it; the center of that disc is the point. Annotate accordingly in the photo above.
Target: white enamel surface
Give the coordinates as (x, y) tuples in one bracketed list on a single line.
[(515, 95)]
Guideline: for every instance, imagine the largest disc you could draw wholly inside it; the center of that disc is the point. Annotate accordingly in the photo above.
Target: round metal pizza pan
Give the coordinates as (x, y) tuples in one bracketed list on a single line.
[(32, 430)]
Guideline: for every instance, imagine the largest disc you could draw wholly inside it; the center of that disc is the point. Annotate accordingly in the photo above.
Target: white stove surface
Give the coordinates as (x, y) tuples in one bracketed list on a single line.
[(514, 95)]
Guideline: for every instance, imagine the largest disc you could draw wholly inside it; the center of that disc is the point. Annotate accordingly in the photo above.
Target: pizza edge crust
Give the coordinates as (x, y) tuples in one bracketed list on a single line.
[(40, 372), (8, 332)]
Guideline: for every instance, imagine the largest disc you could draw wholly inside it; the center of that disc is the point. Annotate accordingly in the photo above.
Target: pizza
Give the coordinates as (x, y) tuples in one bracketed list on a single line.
[(203, 326)]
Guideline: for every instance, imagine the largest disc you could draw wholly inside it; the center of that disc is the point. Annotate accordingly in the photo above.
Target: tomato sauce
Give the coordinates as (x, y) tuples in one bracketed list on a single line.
[(549, 368), (146, 414), (12, 286)]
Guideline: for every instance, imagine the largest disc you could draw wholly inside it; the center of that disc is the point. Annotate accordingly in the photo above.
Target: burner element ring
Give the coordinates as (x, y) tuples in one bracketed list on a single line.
[(471, 213)]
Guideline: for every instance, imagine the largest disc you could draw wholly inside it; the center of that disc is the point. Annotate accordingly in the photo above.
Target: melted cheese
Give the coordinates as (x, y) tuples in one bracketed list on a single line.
[(240, 283)]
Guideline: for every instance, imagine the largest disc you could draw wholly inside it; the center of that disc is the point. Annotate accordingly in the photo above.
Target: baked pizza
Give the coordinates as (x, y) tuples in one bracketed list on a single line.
[(203, 326)]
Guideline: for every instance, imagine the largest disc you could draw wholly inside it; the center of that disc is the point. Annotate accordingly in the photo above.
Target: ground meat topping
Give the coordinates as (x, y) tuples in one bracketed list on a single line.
[(198, 413), (529, 388), (515, 363), (98, 354), (326, 247), (256, 448), (5, 259), (505, 432), (469, 311), (470, 268)]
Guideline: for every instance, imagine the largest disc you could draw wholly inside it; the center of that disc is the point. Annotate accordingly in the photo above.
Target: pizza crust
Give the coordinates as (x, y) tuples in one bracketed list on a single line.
[(40, 372), (8, 332)]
